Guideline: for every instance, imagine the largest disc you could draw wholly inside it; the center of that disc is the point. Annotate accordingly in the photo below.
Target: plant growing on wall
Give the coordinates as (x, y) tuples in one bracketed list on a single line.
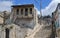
[(11, 27)]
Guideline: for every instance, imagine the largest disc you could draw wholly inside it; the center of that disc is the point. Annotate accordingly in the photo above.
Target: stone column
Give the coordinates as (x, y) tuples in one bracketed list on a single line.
[(19, 12), (23, 12), (28, 12), (3, 34)]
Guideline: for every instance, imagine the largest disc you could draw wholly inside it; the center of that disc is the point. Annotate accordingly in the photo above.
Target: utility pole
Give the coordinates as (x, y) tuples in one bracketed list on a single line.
[(40, 8), (53, 26), (53, 30)]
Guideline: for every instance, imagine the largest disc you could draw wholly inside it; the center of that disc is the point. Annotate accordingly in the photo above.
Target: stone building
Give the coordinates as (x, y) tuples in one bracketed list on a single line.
[(22, 23), (24, 15), (56, 17)]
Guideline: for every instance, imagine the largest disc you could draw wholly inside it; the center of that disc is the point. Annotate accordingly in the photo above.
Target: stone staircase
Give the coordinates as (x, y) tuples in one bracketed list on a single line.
[(43, 33), (33, 32)]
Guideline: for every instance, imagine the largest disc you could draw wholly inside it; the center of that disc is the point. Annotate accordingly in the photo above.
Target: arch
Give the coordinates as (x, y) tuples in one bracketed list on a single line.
[(7, 33)]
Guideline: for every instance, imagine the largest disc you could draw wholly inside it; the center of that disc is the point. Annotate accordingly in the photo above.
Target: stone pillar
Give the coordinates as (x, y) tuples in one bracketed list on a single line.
[(34, 16), (12, 33), (19, 12), (3, 34), (23, 12), (28, 12)]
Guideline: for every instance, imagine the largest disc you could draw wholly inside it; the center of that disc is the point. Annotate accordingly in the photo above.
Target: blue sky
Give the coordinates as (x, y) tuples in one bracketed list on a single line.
[(48, 6), (37, 4)]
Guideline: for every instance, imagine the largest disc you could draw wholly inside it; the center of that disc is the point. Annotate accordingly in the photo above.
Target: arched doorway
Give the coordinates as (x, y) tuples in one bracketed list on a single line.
[(7, 32)]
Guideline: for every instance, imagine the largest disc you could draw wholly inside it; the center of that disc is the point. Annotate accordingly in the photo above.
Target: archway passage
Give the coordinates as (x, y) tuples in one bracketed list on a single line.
[(7, 32)]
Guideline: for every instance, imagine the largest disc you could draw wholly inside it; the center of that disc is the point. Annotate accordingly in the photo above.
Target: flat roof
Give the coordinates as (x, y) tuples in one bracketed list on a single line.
[(25, 5)]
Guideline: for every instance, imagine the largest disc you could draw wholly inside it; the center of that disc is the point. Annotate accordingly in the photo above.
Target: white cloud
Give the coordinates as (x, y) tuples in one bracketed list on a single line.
[(50, 8), (5, 5), (38, 12)]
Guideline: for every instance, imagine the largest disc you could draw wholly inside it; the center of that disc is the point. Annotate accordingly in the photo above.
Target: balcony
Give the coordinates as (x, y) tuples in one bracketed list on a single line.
[(23, 16)]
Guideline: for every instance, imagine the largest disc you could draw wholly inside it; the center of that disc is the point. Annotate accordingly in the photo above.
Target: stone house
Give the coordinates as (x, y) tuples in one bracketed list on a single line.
[(56, 17), (22, 23), (24, 15)]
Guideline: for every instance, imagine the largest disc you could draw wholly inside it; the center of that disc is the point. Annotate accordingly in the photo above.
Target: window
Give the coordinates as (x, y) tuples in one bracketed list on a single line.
[(21, 11), (30, 10), (26, 11), (17, 12)]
